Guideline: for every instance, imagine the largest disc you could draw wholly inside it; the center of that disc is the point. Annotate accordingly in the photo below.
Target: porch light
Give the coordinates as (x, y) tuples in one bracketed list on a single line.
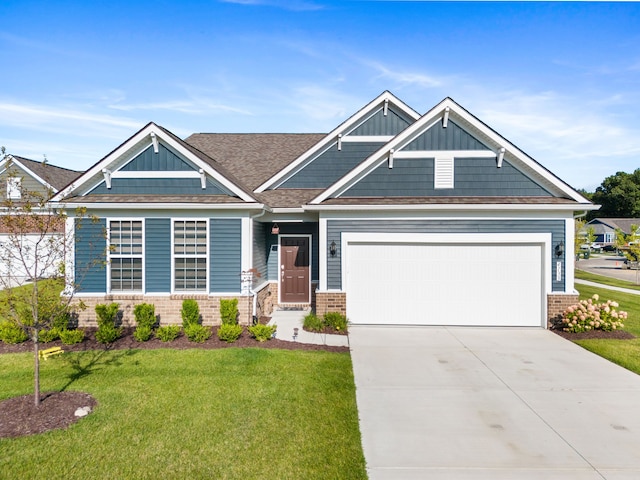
[(333, 249), (560, 249), (275, 229)]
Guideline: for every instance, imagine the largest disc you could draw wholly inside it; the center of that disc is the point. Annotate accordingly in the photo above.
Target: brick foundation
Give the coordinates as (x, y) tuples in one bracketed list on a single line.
[(331, 302), (557, 303), (167, 308)]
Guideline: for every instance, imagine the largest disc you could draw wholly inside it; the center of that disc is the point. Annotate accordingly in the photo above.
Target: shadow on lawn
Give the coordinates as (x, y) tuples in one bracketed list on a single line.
[(87, 362)]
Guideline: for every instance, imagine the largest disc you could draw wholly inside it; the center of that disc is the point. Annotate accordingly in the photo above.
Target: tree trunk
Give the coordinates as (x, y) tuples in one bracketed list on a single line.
[(36, 377)]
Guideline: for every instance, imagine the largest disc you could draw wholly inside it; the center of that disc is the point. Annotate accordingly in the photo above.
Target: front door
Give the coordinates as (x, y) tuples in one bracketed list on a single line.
[(294, 270)]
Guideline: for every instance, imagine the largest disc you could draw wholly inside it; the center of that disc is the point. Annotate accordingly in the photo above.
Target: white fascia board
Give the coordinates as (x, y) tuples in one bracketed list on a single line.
[(452, 207), (333, 135), (30, 172), (161, 206), (417, 154), (366, 138), (156, 174)]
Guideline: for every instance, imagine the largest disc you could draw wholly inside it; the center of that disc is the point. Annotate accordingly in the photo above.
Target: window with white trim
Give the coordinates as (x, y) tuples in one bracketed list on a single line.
[(189, 255), (443, 172), (13, 188), (125, 255)]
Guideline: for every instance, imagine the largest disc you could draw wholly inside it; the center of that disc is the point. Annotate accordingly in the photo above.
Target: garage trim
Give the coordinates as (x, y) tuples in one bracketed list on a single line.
[(543, 240)]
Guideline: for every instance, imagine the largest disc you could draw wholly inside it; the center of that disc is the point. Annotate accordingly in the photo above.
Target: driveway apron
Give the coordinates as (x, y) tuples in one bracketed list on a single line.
[(492, 403)]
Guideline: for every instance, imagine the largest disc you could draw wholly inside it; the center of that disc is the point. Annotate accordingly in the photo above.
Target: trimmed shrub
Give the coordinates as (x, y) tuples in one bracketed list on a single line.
[(229, 311), (71, 337), (262, 333), (108, 334), (142, 333), (46, 336), (107, 314), (145, 315), (589, 315), (12, 333), (335, 320), (197, 333), (313, 323), (190, 312), (229, 332), (168, 333)]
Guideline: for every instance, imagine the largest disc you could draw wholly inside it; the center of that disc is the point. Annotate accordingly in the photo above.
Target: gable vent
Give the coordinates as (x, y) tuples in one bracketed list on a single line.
[(443, 172)]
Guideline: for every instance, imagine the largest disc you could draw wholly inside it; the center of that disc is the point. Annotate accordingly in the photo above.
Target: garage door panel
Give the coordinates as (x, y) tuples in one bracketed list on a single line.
[(438, 284)]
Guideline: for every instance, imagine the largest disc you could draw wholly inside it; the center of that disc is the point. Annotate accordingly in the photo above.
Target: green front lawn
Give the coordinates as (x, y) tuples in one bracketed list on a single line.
[(197, 414), (584, 275), (623, 352)]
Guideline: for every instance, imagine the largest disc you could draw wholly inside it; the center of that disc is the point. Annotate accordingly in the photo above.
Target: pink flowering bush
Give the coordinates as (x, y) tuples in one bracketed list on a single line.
[(589, 315)]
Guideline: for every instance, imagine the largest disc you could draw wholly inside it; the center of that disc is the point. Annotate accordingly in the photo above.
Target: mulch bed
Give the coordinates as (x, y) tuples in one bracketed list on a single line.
[(19, 416), (615, 335)]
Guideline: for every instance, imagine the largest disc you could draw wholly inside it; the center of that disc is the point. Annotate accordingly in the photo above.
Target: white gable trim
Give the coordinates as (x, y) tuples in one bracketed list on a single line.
[(346, 127), (436, 114), (149, 132)]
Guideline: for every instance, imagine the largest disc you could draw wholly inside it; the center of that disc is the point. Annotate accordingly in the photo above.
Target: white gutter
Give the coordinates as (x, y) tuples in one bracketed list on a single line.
[(163, 206), (251, 290), (449, 207)]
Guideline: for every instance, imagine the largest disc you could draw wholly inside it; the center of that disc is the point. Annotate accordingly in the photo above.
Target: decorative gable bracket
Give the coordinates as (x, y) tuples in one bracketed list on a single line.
[(500, 157), (107, 177)]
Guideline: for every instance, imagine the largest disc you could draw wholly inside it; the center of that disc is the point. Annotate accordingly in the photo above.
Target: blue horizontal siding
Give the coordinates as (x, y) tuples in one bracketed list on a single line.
[(475, 177), (225, 254), (90, 255), (158, 255), (335, 228), (160, 186)]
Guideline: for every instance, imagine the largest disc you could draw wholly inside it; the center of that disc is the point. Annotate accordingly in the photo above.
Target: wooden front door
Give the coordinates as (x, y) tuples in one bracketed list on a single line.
[(294, 270)]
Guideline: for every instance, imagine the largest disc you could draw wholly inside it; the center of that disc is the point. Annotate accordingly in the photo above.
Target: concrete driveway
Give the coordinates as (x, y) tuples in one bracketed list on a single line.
[(492, 403)]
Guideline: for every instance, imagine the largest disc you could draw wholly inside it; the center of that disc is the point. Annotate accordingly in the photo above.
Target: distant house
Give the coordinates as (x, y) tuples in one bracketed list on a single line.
[(605, 228), (392, 218), (19, 179)]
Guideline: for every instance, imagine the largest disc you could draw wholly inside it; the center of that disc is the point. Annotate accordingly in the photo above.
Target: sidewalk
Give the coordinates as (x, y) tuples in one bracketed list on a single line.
[(608, 287), (287, 320)]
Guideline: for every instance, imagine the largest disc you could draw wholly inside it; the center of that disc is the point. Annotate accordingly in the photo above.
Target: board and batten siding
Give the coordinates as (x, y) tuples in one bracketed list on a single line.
[(474, 177), (164, 160), (225, 254), (152, 186), (90, 250), (453, 137), (157, 254), (379, 124), (335, 228)]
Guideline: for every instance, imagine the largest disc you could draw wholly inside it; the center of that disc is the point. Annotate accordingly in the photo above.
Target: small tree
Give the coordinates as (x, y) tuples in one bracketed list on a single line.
[(33, 253)]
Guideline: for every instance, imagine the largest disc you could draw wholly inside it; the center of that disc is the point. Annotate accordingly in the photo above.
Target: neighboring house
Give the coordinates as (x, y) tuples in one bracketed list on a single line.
[(21, 178), (604, 229), (393, 218)]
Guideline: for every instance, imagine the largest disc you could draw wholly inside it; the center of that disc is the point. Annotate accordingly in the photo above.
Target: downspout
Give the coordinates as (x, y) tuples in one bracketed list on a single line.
[(251, 291)]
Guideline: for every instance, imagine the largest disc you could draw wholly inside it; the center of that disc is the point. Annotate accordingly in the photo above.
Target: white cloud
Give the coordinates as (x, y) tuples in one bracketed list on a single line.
[(404, 78), (294, 5)]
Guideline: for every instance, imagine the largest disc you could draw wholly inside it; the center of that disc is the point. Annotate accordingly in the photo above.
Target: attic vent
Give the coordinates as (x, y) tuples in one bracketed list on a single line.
[(443, 172)]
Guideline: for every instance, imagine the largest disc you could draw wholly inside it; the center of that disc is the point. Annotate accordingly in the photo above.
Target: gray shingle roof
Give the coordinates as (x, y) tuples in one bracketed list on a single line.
[(57, 177), (253, 158)]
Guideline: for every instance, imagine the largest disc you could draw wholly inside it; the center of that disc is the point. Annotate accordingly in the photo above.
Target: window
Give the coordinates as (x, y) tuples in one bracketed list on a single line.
[(13, 188), (190, 255), (125, 252), (443, 172)]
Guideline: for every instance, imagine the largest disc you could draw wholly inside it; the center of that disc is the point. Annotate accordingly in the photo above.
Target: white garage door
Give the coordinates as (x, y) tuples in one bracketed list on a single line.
[(478, 284)]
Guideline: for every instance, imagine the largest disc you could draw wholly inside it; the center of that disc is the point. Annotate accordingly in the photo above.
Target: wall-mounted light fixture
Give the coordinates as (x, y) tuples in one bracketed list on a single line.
[(275, 229), (560, 249), (333, 249)]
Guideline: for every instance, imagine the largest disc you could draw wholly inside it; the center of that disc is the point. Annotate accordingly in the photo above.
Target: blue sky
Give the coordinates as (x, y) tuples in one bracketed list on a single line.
[(560, 80)]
